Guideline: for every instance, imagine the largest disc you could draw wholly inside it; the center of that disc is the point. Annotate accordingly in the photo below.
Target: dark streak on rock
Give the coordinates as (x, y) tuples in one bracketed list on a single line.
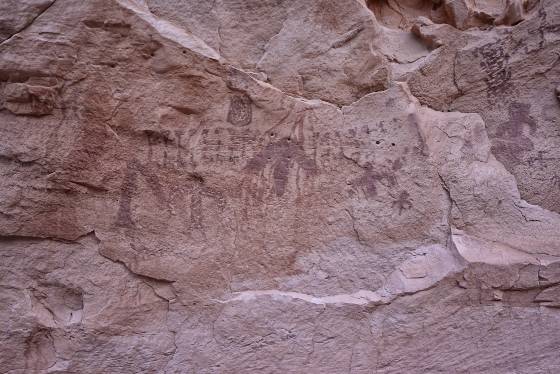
[(347, 37), (129, 187), (495, 64)]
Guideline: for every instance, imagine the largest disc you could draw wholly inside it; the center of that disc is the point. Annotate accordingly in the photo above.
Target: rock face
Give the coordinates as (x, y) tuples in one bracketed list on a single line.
[(279, 186)]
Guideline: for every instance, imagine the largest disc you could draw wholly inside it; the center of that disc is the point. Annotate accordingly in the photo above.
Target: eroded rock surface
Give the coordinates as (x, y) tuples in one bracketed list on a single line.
[(283, 186)]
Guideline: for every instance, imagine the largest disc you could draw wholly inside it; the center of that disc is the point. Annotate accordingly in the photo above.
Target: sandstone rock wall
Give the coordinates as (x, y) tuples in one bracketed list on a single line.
[(279, 186)]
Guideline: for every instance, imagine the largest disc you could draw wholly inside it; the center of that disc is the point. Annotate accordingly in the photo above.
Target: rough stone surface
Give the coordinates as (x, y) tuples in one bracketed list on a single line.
[(279, 186)]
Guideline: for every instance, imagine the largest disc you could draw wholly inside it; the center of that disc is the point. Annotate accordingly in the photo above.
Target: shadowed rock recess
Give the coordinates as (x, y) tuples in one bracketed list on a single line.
[(280, 186)]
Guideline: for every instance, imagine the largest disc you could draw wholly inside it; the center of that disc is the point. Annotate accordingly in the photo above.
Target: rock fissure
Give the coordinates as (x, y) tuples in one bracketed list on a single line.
[(29, 23)]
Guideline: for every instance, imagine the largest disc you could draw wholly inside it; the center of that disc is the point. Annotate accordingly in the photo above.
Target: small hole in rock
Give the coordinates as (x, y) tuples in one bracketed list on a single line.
[(377, 142), (393, 144)]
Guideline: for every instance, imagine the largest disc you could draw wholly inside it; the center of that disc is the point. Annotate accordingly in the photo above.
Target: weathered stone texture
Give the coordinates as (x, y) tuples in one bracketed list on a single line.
[(279, 186)]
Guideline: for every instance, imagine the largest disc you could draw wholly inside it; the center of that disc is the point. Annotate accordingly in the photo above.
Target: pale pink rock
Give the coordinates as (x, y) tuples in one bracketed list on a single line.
[(279, 186)]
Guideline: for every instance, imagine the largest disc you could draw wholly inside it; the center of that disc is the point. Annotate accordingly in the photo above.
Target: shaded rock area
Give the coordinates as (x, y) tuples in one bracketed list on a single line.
[(279, 186)]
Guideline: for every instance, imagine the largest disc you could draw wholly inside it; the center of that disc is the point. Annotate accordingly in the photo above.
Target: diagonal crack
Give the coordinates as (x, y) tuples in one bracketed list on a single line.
[(28, 24)]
